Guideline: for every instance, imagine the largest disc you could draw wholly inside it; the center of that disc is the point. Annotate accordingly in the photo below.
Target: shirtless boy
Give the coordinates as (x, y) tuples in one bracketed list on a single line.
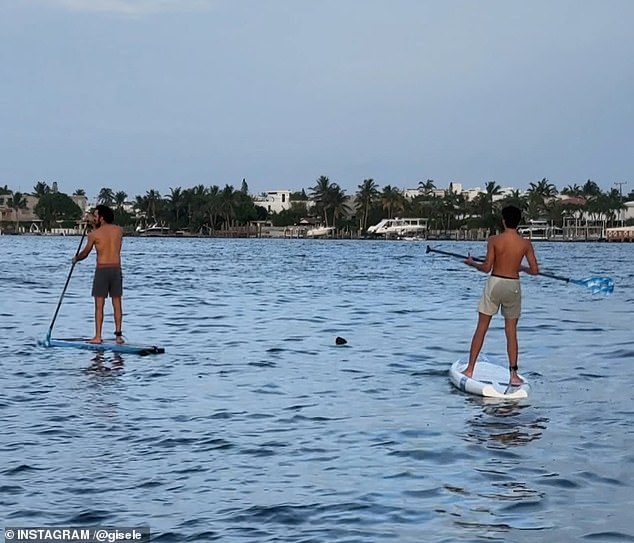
[(505, 253), (108, 281)]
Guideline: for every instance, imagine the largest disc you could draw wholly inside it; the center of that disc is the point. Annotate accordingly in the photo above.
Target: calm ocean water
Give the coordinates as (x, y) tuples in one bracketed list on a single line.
[(254, 426)]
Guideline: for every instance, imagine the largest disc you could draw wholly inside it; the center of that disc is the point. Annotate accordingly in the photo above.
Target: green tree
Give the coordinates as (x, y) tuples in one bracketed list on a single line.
[(427, 187), (228, 205), (590, 188), (336, 202), (213, 205), (298, 196), (572, 190), (367, 196), (79, 192), (106, 196), (175, 202), (119, 199), (392, 200), (245, 208), (56, 207), (320, 195), (40, 189), (17, 202)]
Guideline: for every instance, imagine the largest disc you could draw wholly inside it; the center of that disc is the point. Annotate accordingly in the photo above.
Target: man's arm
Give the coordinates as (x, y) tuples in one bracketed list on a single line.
[(86, 250), (487, 265)]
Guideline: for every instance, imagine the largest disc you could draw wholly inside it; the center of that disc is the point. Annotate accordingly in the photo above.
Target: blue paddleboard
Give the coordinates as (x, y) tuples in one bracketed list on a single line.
[(107, 345)]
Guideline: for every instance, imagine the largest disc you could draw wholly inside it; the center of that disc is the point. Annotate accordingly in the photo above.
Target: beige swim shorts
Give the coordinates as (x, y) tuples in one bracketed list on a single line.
[(504, 292)]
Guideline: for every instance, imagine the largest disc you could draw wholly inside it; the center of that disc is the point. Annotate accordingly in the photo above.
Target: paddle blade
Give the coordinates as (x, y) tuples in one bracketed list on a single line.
[(597, 285)]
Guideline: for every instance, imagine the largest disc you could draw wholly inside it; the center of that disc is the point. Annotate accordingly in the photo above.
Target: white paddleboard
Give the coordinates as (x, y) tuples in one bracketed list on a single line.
[(489, 379)]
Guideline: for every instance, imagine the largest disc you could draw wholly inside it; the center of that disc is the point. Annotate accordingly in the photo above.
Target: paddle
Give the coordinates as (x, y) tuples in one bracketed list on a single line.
[(59, 304), (596, 284)]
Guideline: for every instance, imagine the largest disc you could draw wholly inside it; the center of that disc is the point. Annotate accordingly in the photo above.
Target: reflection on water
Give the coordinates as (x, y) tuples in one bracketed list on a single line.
[(500, 424), (104, 362), (255, 426)]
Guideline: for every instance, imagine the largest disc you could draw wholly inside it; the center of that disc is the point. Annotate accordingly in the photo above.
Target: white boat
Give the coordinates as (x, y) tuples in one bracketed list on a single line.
[(154, 230), (408, 228), (540, 230), (320, 232), (381, 227), (400, 228)]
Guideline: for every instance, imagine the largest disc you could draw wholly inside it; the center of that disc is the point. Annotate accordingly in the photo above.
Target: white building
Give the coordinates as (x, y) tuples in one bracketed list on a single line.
[(274, 201)]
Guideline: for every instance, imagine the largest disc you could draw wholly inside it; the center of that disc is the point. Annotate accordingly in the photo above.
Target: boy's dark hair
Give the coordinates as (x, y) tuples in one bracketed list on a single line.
[(512, 216), (105, 213)]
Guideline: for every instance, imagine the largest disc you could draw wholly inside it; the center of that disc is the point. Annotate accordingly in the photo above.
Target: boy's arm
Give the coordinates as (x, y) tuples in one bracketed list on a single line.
[(533, 267), (487, 265)]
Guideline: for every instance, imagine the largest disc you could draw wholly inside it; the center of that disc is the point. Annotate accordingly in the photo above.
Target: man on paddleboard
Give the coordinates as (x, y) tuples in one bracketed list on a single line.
[(108, 281), (505, 253)]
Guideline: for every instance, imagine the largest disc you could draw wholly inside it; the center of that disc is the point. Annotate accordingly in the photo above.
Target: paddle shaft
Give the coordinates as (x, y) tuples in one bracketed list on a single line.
[(59, 304), (552, 276)]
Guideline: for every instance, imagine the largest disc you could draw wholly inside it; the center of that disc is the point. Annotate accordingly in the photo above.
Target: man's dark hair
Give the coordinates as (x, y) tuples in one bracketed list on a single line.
[(105, 213), (512, 216)]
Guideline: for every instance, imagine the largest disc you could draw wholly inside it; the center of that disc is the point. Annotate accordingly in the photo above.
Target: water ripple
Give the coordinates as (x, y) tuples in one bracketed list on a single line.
[(256, 426)]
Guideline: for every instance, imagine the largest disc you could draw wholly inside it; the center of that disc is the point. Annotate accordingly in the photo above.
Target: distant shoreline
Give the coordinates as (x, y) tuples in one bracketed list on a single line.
[(433, 237)]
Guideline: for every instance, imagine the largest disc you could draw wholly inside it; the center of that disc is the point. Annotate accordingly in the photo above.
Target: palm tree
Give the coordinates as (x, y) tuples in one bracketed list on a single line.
[(17, 202), (539, 194), (40, 189), (366, 197), (228, 203), (336, 201), (176, 199), (153, 202), (590, 188), (543, 188), (426, 187), (212, 199), (79, 192), (515, 198), (5, 190), (572, 190), (489, 217), (119, 199), (319, 195), (392, 200), (106, 196)]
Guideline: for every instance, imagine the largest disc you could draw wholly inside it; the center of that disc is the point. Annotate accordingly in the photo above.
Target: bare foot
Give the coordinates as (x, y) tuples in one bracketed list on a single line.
[(468, 373), (119, 339), (95, 340)]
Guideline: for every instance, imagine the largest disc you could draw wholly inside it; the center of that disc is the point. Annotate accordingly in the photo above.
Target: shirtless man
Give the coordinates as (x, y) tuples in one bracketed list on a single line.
[(505, 253), (107, 239)]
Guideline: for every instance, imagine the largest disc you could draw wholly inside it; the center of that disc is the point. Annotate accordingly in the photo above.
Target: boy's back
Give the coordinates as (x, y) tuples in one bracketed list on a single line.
[(508, 250)]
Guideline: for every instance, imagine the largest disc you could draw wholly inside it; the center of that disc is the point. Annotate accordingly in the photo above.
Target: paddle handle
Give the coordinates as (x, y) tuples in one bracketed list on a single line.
[(553, 276), (448, 253), (596, 284), (430, 250), (70, 273)]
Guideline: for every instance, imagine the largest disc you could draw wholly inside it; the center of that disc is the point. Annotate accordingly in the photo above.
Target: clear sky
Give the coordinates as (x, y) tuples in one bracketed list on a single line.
[(150, 94)]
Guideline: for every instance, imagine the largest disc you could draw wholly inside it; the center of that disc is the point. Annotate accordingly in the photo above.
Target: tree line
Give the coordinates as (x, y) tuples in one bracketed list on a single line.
[(209, 209)]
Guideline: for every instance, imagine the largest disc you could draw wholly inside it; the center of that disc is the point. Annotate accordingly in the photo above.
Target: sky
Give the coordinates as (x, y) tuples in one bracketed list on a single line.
[(136, 95)]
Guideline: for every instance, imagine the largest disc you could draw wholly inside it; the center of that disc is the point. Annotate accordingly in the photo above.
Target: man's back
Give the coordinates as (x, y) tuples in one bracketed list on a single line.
[(108, 239), (509, 250)]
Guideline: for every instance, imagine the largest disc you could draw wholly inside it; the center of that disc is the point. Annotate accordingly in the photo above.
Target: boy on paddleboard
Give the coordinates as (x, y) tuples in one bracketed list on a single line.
[(107, 239), (505, 253)]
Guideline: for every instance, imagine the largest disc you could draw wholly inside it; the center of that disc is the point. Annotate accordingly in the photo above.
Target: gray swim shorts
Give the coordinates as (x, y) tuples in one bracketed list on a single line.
[(108, 281), (501, 292)]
